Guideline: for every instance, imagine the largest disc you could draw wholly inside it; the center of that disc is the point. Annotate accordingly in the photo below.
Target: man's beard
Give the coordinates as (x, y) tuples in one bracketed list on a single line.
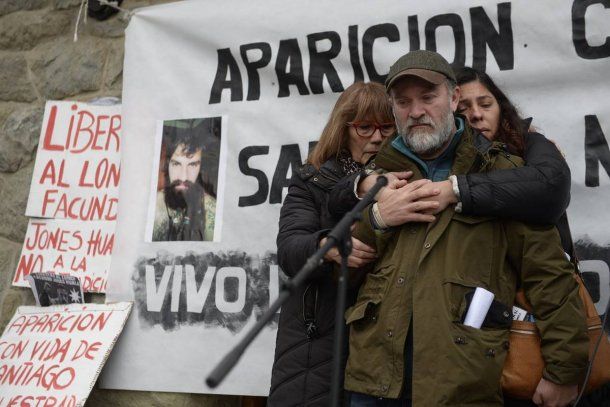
[(423, 141), (190, 197)]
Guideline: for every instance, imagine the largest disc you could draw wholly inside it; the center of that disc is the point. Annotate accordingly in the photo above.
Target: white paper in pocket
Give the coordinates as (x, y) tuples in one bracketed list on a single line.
[(481, 301)]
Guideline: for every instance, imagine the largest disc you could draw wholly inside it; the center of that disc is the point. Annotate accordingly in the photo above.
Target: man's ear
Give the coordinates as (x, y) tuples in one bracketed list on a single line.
[(455, 99)]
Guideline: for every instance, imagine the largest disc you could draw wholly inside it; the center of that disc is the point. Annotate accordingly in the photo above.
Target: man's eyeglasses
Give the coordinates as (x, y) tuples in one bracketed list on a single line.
[(367, 129)]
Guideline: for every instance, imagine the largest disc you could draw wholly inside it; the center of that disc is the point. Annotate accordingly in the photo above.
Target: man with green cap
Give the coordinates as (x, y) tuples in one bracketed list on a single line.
[(409, 344)]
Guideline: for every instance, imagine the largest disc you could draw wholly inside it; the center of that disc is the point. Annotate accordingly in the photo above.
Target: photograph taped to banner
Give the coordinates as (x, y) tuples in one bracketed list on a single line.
[(186, 178)]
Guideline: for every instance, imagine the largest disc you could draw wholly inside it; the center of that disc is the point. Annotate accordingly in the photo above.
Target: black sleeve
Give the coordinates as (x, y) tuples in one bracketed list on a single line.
[(342, 199), (299, 230), (538, 192)]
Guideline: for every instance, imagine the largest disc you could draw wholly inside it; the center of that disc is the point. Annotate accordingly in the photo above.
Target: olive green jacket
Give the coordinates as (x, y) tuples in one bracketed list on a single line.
[(421, 278)]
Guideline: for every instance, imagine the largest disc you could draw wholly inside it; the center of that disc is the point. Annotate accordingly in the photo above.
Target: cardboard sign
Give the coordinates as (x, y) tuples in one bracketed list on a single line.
[(52, 356), (80, 249), (77, 169)]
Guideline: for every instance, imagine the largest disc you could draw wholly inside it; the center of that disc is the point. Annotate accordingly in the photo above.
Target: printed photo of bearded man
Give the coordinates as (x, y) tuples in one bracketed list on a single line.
[(186, 204)]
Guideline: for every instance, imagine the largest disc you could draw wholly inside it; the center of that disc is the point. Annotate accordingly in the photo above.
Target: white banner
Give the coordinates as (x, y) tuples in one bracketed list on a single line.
[(81, 249), (52, 356), (274, 70)]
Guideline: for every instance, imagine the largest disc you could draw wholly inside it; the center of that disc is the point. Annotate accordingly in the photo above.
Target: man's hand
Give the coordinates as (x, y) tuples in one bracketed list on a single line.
[(411, 203), (549, 394), (444, 198), (361, 254), (395, 181)]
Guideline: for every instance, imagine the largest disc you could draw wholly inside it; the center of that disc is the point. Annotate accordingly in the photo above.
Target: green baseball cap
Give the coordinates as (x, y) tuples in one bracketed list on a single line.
[(427, 65)]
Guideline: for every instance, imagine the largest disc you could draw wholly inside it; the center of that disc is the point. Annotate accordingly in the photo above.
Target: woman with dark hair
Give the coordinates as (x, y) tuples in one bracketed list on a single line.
[(489, 111), (359, 122), (542, 185), (538, 192)]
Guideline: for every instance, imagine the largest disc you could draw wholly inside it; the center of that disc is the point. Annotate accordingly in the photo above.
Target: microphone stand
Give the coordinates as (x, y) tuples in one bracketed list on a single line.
[(339, 236)]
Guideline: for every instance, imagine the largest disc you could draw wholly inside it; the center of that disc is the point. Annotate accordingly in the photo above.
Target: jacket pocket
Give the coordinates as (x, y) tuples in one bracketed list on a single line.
[(455, 291), (459, 296), (477, 357), (365, 362), (369, 297), (472, 247), (361, 310)]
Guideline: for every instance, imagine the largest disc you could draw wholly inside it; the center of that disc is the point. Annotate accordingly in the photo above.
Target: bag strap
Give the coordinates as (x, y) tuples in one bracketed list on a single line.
[(563, 226), (566, 236)]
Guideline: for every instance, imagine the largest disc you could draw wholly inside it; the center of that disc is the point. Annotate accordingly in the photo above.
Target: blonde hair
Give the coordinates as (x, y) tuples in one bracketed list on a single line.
[(361, 101)]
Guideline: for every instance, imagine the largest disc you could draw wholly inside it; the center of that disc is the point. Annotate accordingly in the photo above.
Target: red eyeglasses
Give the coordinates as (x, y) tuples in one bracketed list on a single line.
[(367, 129)]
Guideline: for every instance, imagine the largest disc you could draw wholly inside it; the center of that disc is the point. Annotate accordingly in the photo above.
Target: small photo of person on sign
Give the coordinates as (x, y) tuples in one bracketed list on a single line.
[(185, 207)]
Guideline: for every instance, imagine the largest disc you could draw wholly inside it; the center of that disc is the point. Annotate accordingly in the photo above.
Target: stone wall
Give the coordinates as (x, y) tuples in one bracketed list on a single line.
[(39, 61)]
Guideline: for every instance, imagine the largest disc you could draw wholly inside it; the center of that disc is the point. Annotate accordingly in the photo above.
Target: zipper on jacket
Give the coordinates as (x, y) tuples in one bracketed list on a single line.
[(310, 307)]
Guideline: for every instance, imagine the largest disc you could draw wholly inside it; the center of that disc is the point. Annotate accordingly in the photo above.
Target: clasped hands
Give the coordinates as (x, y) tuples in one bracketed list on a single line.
[(399, 202), (402, 201)]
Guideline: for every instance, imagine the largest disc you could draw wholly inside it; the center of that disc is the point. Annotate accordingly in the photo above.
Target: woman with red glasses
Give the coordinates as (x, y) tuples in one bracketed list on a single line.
[(359, 123)]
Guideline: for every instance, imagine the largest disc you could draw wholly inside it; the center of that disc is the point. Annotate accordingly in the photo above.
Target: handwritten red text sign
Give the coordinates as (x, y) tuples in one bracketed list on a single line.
[(51, 356), (77, 170), (81, 249)]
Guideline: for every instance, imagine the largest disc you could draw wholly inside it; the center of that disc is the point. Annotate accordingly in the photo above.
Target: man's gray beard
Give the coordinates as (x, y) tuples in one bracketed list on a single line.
[(422, 142)]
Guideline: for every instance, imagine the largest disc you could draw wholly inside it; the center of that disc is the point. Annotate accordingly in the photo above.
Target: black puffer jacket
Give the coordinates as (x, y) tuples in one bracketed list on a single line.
[(544, 180), (302, 368)]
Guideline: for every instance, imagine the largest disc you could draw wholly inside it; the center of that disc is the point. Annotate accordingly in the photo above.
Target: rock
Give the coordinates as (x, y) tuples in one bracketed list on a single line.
[(24, 29), (11, 301), (19, 137), (9, 257), (117, 93), (116, 398), (14, 82), (66, 68), (27, 296), (14, 191), (195, 400), (114, 67), (8, 6), (114, 27), (6, 108), (64, 4)]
